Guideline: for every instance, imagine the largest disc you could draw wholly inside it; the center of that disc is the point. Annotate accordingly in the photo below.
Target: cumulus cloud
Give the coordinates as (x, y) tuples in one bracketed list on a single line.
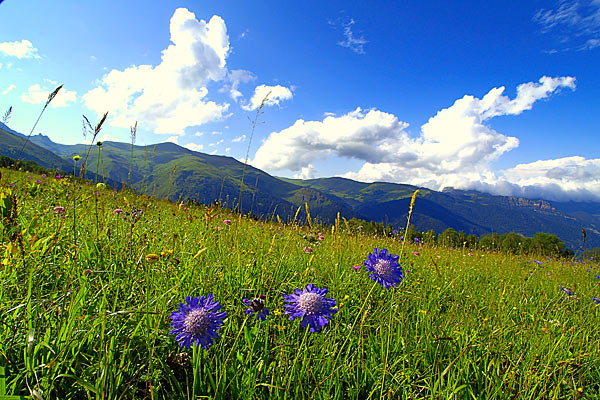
[(104, 137), (19, 49), (454, 148), (276, 94), (9, 88), (194, 146), (364, 135), (236, 77), (37, 94), (171, 96), (575, 22), (308, 172), (568, 178), (239, 139), (356, 44)]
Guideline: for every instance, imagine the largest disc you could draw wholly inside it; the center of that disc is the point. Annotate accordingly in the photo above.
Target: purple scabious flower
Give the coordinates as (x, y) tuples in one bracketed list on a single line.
[(567, 291), (596, 300), (384, 267), (257, 305), (197, 322), (311, 305)]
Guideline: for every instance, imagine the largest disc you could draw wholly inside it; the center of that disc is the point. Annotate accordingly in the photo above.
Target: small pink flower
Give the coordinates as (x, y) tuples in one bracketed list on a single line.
[(43, 175), (415, 253), (356, 267), (117, 211), (308, 250), (227, 221), (59, 210), (320, 236), (59, 176), (470, 254)]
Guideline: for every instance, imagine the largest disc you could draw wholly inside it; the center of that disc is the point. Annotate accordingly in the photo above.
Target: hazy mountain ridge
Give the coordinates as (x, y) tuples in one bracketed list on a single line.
[(167, 169)]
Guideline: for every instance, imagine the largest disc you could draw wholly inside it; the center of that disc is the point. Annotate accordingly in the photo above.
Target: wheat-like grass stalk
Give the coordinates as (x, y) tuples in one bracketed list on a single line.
[(133, 131), (254, 123), (94, 131), (7, 115), (51, 97)]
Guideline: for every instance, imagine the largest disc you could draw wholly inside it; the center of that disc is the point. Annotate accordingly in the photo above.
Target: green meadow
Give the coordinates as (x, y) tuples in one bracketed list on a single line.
[(87, 293)]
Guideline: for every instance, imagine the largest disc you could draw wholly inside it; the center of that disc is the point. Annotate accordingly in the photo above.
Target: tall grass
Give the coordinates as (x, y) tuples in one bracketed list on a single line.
[(90, 319)]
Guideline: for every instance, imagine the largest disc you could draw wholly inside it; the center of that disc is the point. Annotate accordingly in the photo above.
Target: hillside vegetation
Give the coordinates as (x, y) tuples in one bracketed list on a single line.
[(93, 281)]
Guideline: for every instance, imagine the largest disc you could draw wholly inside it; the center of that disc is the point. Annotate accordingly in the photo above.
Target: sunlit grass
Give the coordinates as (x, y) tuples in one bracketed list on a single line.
[(86, 315)]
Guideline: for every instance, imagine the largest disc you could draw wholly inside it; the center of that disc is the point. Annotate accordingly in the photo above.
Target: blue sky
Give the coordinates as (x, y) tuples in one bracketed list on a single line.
[(500, 96)]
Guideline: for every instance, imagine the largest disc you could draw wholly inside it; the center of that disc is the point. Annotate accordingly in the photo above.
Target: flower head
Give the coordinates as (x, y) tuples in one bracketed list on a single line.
[(567, 291), (384, 267), (197, 322), (76, 157), (117, 211), (596, 300), (311, 305), (59, 210), (227, 221), (308, 250), (257, 305)]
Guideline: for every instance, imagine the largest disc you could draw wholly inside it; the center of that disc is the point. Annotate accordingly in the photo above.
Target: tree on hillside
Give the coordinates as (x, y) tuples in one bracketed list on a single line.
[(448, 238), (547, 244), (511, 243), (472, 241)]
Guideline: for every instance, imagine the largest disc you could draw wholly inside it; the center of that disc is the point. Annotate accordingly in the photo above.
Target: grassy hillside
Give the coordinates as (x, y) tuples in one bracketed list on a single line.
[(91, 279), (12, 145), (168, 170)]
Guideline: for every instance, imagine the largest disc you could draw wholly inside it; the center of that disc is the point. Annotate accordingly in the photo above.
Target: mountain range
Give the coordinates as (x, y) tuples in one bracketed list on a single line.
[(169, 170)]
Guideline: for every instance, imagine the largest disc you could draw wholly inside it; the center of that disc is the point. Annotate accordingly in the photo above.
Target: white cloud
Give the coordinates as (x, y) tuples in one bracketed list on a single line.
[(213, 152), (236, 77), (308, 172), (275, 95), (22, 49), (37, 94), (172, 139), (171, 96), (227, 149), (454, 148), (575, 22), (239, 139), (217, 143), (0, 65), (106, 137), (355, 44), (194, 146), (8, 89), (216, 133), (199, 134), (568, 178)]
